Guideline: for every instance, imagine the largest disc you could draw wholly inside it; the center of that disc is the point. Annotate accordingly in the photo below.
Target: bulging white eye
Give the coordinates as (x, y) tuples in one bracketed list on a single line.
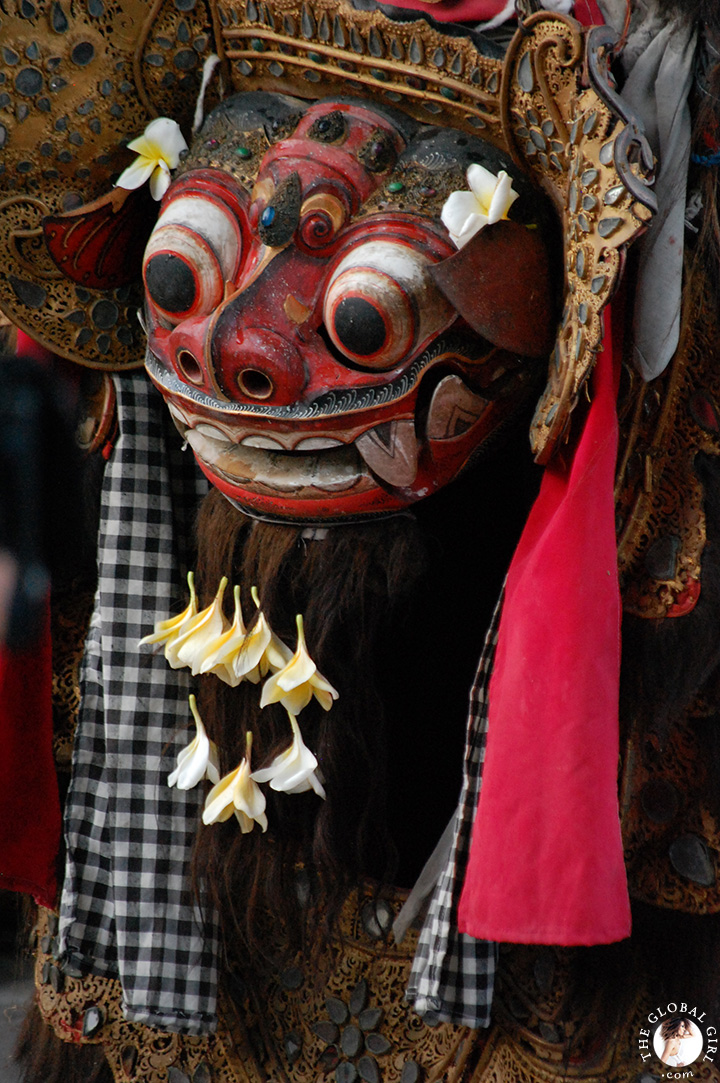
[(193, 251), (381, 304)]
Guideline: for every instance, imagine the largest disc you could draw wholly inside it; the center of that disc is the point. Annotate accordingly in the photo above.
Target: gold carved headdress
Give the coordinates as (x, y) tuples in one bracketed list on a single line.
[(77, 84)]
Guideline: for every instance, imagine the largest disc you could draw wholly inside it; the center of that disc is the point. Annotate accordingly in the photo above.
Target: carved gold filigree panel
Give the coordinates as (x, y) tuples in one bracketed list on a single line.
[(580, 145), (321, 49), (77, 81), (659, 498)]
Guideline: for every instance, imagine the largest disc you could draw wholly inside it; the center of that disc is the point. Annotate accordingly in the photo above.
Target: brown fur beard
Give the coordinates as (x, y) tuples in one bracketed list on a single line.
[(395, 615), (347, 586)]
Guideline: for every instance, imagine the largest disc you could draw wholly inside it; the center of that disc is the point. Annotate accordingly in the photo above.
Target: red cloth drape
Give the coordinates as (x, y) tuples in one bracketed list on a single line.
[(457, 11), (30, 820), (476, 11), (546, 863)]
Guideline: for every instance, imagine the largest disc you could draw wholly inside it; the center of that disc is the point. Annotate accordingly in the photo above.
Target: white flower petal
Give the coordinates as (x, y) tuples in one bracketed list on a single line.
[(246, 822), (198, 760), (302, 788), (503, 198), (324, 697), (472, 226), (489, 199), (253, 649), (221, 661), (296, 683), (174, 627), (212, 772), (165, 139), (237, 793), (201, 639), (266, 773), (481, 183), (457, 209), (158, 150), (261, 651), (220, 800), (292, 770), (297, 699), (160, 180), (195, 766), (247, 795), (277, 653), (136, 173)]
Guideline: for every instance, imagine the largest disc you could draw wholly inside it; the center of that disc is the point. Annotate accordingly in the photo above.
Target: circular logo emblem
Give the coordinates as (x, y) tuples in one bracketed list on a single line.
[(677, 1035), (678, 1041)]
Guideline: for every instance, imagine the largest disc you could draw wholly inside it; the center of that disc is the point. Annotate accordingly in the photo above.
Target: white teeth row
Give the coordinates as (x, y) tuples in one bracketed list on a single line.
[(310, 443), (391, 450), (334, 473), (266, 443)]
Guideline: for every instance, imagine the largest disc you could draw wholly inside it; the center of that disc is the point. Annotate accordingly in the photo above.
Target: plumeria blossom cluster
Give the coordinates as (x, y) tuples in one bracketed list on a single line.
[(206, 642), (488, 200)]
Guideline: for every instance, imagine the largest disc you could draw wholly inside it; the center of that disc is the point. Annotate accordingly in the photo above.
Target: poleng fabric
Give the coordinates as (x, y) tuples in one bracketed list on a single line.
[(127, 906), (453, 975)]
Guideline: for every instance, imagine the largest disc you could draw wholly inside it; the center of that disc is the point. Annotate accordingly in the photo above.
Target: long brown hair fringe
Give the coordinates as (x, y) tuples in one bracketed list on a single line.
[(346, 585)]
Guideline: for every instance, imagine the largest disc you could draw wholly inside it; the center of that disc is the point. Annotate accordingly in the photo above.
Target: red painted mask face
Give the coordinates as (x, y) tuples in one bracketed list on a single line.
[(310, 325)]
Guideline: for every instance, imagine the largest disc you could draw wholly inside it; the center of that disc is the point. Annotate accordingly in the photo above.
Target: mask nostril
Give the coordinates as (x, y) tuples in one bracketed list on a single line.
[(255, 384), (189, 366)]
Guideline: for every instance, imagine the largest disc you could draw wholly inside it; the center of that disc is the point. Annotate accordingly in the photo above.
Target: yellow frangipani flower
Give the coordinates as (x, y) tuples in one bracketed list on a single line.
[(169, 631), (292, 771), (298, 681), (237, 792), (222, 659), (199, 760), (158, 149), (199, 639), (262, 651)]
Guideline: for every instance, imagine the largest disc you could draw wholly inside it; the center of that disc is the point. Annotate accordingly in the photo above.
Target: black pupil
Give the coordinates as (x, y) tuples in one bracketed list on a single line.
[(170, 282), (359, 327)]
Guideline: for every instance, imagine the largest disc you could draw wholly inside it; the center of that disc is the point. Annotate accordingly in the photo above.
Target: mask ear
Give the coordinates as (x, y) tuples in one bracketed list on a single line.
[(502, 283), (100, 246)]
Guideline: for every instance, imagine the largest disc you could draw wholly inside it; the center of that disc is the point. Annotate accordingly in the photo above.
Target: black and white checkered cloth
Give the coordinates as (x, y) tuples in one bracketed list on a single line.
[(453, 975), (127, 907)]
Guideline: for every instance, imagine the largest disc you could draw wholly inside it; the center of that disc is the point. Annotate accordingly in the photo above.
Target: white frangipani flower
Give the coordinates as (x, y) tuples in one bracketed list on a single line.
[(298, 681), (169, 631), (158, 150), (238, 793), (199, 760), (262, 651), (199, 640), (292, 771), (488, 200), (221, 661)]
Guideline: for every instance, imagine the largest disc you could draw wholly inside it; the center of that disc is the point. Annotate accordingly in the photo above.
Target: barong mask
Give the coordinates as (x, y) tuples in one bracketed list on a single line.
[(322, 345), (360, 323)]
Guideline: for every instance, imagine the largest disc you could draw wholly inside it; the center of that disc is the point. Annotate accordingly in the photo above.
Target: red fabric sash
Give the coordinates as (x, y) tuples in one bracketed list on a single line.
[(476, 11), (546, 862)]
